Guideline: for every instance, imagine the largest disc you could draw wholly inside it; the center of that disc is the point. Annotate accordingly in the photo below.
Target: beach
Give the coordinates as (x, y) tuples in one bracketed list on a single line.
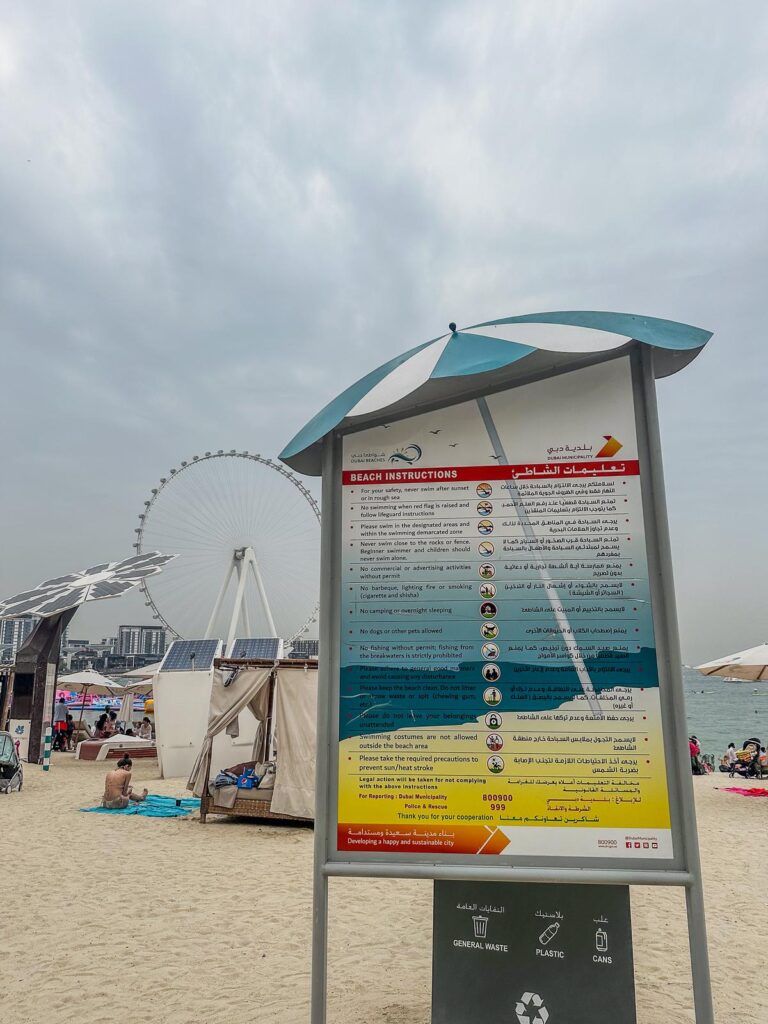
[(171, 921)]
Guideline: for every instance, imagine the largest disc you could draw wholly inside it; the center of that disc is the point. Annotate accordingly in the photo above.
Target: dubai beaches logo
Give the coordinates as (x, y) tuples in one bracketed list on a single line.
[(410, 454)]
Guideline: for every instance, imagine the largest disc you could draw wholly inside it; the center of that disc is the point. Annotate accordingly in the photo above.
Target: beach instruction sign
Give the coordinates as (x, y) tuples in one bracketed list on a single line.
[(498, 684), (500, 696)]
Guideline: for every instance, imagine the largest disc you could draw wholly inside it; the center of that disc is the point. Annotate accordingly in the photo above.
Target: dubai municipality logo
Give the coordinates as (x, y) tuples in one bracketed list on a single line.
[(610, 447), (411, 453)]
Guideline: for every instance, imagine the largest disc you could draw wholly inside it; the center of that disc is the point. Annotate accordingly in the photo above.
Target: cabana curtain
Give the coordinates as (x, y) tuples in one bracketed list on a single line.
[(248, 689), (296, 741)]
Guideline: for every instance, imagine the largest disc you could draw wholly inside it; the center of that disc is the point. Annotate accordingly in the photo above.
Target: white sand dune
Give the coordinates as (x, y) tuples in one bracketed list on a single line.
[(171, 922)]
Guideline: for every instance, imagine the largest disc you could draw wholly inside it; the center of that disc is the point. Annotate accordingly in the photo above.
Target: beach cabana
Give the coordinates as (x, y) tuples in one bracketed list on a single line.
[(282, 697)]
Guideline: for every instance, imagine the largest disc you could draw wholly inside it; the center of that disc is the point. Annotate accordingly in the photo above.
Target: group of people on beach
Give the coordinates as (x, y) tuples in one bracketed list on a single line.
[(107, 725), (750, 761)]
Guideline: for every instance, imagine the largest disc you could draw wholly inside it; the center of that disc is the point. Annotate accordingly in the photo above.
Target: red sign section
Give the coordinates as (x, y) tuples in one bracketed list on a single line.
[(524, 471)]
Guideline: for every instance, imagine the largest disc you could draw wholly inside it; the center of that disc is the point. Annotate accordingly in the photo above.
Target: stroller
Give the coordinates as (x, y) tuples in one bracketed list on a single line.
[(11, 769)]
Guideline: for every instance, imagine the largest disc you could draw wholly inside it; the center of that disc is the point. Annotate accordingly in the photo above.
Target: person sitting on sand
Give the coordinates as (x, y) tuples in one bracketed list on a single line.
[(118, 791), (145, 729)]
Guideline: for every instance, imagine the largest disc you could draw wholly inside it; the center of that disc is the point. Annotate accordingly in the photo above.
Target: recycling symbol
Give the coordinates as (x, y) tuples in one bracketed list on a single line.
[(540, 1014)]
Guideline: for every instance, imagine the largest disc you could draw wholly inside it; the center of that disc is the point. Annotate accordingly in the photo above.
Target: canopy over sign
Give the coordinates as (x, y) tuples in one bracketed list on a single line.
[(488, 355)]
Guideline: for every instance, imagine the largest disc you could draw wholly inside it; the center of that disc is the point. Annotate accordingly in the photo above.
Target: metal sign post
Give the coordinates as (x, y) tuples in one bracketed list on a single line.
[(500, 690)]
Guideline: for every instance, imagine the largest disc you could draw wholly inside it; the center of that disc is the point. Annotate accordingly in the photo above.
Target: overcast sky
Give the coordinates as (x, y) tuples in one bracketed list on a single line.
[(214, 216)]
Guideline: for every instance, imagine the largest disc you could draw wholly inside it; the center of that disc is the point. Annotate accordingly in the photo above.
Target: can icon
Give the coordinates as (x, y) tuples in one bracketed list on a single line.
[(480, 925)]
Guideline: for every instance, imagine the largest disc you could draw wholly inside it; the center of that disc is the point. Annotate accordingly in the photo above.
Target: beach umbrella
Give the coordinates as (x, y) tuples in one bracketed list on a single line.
[(125, 714), (89, 682), (146, 672), (143, 687), (751, 665)]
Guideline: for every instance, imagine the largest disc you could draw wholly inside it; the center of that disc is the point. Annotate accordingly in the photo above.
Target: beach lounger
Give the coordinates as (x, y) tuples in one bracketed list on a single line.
[(114, 748)]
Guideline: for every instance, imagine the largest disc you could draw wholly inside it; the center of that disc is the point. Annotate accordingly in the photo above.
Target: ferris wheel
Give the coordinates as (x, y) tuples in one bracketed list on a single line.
[(247, 535)]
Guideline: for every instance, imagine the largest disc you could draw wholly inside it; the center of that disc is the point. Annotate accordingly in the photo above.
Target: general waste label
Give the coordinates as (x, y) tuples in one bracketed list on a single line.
[(532, 954)]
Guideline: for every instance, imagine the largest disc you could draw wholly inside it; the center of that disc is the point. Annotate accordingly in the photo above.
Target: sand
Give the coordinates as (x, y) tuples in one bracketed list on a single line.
[(108, 918)]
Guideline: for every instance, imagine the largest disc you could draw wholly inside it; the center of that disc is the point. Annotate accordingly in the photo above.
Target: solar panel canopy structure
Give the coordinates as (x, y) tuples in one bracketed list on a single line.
[(108, 579), (305, 649), (191, 656), (268, 647)]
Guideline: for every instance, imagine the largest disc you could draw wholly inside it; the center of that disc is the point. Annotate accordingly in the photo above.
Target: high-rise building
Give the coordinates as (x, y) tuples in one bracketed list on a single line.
[(148, 640), (13, 633)]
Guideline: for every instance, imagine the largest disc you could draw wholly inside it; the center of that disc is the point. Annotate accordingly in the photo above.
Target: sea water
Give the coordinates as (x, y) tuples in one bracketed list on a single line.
[(720, 713)]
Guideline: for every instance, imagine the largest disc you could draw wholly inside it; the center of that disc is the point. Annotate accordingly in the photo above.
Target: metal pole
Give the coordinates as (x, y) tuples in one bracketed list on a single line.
[(4, 715), (323, 770), (668, 642), (237, 610), (251, 555), (47, 749), (506, 873), (219, 599)]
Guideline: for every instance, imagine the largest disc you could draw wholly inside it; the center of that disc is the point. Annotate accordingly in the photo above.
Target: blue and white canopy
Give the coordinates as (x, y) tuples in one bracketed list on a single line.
[(489, 355)]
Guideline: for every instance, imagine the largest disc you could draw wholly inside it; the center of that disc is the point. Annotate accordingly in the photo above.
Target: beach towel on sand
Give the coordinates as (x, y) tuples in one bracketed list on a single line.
[(755, 791), (153, 807)]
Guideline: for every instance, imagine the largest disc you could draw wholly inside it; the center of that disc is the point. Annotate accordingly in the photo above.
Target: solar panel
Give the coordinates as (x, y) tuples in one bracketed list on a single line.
[(109, 579), (256, 647), (305, 649), (191, 655)]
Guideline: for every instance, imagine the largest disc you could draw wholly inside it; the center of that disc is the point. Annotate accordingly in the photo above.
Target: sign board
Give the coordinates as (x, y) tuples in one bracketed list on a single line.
[(499, 691), (535, 954), (500, 695)]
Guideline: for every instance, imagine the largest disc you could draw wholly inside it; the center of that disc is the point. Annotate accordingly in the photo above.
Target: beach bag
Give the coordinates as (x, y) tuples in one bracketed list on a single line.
[(248, 780)]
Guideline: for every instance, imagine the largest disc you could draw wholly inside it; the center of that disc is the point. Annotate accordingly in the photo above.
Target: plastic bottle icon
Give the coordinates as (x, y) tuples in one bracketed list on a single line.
[(549, 933), (601, 940)]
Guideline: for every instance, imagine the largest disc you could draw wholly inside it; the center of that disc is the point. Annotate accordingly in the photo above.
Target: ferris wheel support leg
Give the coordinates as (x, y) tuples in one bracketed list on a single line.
[(237, 611), (219, 601), (246, 616), (262, 593)]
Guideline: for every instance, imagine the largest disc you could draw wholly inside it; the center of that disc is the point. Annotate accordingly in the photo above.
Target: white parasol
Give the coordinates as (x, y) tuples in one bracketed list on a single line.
[(751, 664)]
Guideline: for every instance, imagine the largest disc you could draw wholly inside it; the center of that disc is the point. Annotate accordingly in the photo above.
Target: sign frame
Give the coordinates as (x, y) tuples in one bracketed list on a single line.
[(682, 870)]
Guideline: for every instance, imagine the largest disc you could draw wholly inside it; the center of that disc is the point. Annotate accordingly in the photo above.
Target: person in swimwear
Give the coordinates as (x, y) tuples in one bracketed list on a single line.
[(118, 791)]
